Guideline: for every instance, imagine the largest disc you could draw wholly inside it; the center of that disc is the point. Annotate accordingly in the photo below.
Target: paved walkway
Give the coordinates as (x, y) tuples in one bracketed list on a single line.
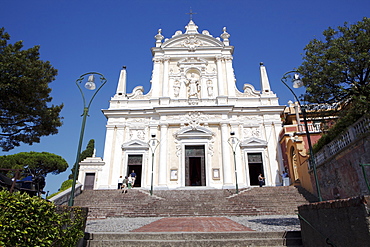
[(193, 224), (221, 223)]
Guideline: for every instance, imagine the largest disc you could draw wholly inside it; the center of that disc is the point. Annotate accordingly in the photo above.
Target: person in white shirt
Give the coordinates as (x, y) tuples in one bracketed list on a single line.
[(120, 181)]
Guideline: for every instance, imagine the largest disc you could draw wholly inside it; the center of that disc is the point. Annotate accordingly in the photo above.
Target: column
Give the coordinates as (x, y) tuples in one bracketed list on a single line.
[(162, 171), (267, 165), (165, 85), (230, 76), (226, 154), (220, 80), (102, 181), (156, 76)]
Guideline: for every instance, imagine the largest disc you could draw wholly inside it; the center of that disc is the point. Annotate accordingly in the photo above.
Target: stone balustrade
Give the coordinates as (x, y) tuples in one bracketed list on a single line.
[(354, 131)]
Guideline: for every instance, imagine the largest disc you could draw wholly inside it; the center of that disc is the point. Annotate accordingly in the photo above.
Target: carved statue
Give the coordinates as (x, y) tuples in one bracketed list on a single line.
[(176, 88), (210, 88), (193, 86)]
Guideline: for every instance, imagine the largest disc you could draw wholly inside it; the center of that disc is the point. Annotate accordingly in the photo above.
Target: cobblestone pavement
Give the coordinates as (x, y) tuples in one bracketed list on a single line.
[(203, 224)]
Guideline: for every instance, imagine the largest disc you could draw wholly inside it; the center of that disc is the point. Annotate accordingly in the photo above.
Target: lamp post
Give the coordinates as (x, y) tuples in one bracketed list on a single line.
[(153, 144), (90, 85), (297, 83), (234, 142)]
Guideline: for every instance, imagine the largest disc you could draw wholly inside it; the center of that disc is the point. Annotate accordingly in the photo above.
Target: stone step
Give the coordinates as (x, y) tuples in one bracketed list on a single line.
[(212, 202), (290, 238)]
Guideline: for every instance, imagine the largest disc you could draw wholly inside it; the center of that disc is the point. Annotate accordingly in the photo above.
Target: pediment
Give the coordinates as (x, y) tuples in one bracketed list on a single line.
[(135, 144), (194, 132), (192, 41), (253, 142)]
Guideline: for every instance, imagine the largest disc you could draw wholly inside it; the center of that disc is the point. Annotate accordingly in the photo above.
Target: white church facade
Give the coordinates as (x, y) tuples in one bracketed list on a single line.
[(194, 127)]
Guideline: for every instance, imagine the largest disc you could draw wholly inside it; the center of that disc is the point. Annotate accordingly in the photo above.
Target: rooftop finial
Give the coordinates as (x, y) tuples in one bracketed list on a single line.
[(191, 14)]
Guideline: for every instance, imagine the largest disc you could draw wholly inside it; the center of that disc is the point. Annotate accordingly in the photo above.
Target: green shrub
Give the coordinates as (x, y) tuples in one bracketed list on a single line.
[(32, 221), (339, 128)]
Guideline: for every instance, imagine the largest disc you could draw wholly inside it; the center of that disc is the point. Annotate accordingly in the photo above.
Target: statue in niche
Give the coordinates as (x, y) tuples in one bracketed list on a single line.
[(210, 88), (176, 88), (193, 85)]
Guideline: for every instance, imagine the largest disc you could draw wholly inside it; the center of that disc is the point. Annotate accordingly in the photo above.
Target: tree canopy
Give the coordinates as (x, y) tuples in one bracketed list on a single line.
[(337, 69), (25, 115), (38, 163)]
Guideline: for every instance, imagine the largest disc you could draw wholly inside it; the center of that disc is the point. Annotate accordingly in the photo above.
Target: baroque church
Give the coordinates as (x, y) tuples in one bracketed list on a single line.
[(194, 127)]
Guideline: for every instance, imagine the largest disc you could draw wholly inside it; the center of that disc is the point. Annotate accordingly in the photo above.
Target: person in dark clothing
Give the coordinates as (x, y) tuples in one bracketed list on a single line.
[(133, 176), (261, 180)]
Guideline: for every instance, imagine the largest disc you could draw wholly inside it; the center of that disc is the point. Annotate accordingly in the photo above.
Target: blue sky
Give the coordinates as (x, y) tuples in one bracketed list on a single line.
[(102, 36)]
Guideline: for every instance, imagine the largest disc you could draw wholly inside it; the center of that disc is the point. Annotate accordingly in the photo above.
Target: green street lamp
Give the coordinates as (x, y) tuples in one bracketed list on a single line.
[(297, 83), (234, 142), (153, 144), (89, 85)]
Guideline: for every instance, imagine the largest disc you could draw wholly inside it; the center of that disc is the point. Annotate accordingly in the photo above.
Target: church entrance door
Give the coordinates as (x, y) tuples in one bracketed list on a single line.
[(89, 181), (135, 163), (255, 166), (195, 166)]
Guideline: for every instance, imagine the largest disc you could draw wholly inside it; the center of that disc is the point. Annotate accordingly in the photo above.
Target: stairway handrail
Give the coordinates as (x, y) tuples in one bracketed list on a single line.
[(327, 240), (364, 172)]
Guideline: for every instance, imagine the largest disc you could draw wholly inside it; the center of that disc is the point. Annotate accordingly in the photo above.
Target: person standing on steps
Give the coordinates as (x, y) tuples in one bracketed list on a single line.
[(285, 178), (120, 181), (129, 183), (133, 176), (261, 180), (125, 185)]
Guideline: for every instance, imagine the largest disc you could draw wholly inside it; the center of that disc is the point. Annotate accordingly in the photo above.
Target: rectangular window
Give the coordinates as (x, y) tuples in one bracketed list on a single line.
[(135, 159), (254, 158)]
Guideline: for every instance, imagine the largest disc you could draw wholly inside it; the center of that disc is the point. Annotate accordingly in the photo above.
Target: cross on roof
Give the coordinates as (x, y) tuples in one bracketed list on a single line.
[(191, 14)]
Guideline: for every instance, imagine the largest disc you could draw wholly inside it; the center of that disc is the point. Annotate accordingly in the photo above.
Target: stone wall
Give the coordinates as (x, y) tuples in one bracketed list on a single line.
[(63, 197), (341, 176), (344, 222)]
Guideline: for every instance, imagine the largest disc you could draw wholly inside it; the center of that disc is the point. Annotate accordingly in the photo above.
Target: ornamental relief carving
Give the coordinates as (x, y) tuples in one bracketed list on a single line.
[(192, 42), (210, 146), (248, 91), (252, 132), (210, 88), (193, 117), (178, 148), (157, 59), (210, 151), (192, 61), (137, 122), (176, 88), (137, 134), (251, 119)]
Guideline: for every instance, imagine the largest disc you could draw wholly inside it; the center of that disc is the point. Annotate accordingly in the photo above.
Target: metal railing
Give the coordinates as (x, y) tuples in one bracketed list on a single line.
[(364, 172), (327, 240)]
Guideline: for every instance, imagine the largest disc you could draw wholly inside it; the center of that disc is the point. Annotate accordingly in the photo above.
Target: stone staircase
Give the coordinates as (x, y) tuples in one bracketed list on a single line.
[(292, 238), (190, 202)]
